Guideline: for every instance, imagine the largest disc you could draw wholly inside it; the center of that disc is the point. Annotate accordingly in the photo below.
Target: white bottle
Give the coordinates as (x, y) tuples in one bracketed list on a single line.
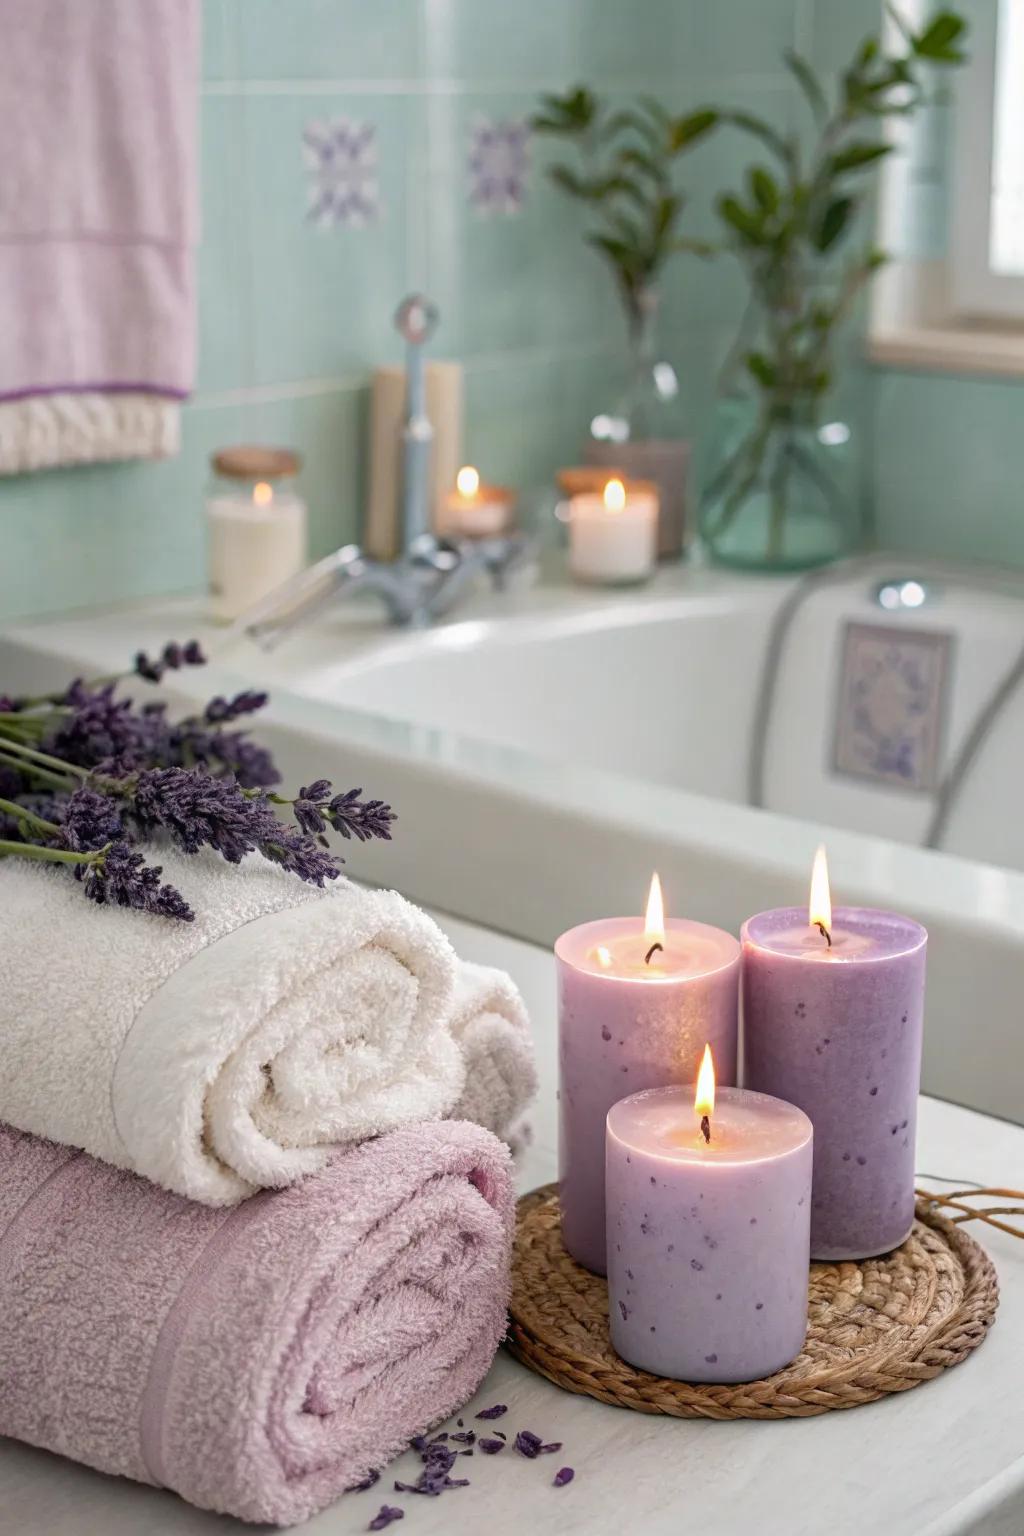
[(256, 527)]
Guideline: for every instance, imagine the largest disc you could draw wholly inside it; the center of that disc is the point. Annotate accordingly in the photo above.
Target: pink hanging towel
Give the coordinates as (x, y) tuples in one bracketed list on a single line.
[(97, 228)]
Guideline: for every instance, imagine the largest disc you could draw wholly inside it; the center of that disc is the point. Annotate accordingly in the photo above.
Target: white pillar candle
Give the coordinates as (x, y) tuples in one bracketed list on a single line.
[(256, 528), (475, 510), (613, 534)]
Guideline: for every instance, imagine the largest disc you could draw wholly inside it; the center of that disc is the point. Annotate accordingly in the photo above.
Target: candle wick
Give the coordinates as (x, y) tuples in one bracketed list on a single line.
[(705, 1126), (650, 952), (824, 933)]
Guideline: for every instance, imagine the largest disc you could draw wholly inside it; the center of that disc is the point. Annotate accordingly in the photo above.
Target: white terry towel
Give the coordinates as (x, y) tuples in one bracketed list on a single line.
[(490, 1024), (227, 1054)]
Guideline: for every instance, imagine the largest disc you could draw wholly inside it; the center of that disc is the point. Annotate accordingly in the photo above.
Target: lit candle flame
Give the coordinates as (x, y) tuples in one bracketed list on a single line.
[(262, 493), (819, 908), (704, 1098), (467, 481), (604, 956), (614, 496), (654, 918)]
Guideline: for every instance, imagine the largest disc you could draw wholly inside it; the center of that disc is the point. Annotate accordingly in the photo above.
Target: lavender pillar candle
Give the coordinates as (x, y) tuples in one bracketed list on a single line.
[(836, 1028), (628, 1022), (708, 1241)]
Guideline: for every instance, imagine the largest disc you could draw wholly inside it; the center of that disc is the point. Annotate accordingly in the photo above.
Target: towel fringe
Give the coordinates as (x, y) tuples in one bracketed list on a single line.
[(48, 431)]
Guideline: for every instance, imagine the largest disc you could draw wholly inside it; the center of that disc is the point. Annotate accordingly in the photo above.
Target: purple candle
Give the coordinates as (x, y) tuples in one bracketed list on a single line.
[(637, 1000), (708, 1233), (833, 1014)]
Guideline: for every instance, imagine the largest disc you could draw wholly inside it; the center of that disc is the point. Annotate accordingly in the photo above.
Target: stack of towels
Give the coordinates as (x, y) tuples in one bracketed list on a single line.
[(255, 1204)]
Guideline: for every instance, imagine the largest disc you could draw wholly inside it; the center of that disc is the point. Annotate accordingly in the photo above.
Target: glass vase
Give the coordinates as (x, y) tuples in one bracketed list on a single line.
[(778, 489), (640, 436)]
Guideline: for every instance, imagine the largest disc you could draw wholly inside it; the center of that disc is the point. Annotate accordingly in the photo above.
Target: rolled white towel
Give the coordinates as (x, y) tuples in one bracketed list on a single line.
[(490, 1024), (227, 1054)]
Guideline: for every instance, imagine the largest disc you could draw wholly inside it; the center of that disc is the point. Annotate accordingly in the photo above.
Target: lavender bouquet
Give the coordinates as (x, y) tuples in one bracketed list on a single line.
[(87, 775)]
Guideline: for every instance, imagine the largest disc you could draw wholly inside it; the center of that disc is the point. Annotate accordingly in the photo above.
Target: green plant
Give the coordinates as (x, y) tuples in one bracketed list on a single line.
[(790, 222), (623, 170)]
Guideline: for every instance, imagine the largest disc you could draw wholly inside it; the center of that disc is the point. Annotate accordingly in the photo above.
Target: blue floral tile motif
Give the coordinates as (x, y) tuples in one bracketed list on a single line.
[(498, 164), (891, 705), (341, 159)]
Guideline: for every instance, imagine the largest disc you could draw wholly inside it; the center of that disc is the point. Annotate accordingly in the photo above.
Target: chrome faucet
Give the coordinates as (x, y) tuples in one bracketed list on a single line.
[(430, 574)]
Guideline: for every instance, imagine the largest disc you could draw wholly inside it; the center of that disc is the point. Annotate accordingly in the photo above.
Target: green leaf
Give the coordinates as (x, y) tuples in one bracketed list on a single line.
[(764, 189), (834, 221), (569, 181), (685, 131), (742, 220), (937, 41), (626, 120), (667, 210), (643, 162), (761, 369), (618, 253), (764, 131), (857, 155), (809, 84)]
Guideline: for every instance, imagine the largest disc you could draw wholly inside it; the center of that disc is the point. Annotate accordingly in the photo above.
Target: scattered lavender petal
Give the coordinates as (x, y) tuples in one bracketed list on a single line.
[(555, 1445), (491, 1447), (493, 1413), (562, 1476), (528, 1444), (388, 1512), (367, 1482)]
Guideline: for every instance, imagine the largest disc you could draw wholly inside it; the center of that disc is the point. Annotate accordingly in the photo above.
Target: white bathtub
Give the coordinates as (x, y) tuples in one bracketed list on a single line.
[(546, 749)]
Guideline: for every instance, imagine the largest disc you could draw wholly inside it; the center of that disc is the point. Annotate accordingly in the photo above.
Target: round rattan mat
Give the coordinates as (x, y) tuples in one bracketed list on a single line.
[(883, 1325)]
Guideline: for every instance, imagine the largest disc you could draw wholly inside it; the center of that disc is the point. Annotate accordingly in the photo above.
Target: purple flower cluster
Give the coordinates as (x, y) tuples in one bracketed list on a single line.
[(121, 877), (315, 809), (130, 772)]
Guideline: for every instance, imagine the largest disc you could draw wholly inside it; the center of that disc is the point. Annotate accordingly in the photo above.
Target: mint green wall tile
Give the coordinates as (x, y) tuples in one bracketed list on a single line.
[(741, 37), (488, 42), (950, 492), (640, 42), (517, 280), (839, 27), (216, 40), (329, 431), (223, 258), (361, 40), (323, 297), (109, 532)]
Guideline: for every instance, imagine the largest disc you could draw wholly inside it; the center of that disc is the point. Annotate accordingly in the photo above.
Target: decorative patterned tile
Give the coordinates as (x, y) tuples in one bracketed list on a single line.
[(498, 164), (341, 160), (890, 712)]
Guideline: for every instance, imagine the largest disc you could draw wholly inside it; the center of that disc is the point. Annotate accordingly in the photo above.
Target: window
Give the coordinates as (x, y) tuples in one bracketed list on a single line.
[(987, 247)]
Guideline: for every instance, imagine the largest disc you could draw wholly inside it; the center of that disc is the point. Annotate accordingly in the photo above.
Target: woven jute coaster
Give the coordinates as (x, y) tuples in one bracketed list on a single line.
[(879, 1326)]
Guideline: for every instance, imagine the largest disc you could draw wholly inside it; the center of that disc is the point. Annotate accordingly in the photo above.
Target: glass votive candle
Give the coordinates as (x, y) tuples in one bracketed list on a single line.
[(256, 527), (613, 534)]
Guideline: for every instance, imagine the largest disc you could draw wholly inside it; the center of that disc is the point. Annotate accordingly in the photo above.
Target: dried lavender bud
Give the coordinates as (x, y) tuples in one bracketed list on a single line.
[(89, 821), (193, 655), (554, 1445), (122, 877), (467, 1437), (528, 1444), (491, 1447), (219, 710), (6, 704), (172, 655), (388, 1512), (367, 1482), (152, 671), (562, 1476), (493, 1413), (361, 820)]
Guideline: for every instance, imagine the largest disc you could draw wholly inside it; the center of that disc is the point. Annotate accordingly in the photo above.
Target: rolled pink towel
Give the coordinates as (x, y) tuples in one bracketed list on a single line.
[(257, 1360)]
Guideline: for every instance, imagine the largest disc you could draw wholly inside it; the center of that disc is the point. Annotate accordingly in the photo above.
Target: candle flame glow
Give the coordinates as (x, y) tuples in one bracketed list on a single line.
[(262, 493), (819, 909), (604, 956), (704, 1098), (467, 481), (654, 918), (614, 496)]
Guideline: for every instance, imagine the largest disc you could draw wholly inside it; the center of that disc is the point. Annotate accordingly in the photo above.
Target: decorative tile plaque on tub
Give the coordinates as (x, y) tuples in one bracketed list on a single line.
[(891, 705)]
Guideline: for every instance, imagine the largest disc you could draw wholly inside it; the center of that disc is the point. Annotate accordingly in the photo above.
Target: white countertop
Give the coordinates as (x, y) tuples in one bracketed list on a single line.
[(944, 1459)]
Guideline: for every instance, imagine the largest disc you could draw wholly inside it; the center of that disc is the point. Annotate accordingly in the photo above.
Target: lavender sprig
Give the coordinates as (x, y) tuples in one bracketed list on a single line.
[(315, 809)]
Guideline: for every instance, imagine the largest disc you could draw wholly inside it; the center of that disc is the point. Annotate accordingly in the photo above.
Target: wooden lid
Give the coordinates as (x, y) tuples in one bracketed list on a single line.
[(581, 478), (250, 462)]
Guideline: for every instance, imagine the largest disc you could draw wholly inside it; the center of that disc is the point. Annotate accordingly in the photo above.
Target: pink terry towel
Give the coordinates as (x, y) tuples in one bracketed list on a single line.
[(97, 225), (259, 1360)]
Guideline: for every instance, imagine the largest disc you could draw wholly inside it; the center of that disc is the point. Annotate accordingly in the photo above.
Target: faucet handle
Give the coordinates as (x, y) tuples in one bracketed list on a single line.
[(416, 319)]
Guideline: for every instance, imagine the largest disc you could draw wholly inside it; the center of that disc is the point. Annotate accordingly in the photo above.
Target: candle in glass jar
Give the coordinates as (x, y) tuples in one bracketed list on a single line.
[(478, 511), (613, 534), (833, 1010), (709, 1199), (637, 999)]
